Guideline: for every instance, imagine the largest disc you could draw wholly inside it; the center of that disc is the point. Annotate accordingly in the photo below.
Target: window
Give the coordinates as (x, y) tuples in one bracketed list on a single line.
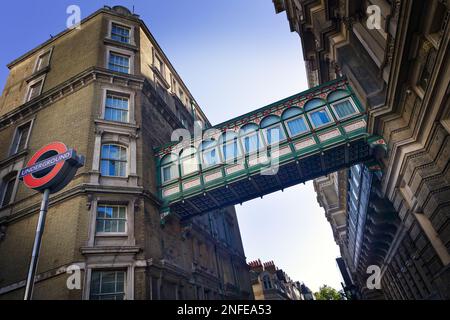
[(230, 149), (113, 161), (169, 168), (250, 138), (297, 126), (43, 61), (320, 117), (116, 108), (107, 285), (344, 109), (266, 282), (34, 90), (6, 191), (120, 33), (209, 153), (119, 63), (111, 219), (20, 138), (159, 65), (189, 163), (272, 129)]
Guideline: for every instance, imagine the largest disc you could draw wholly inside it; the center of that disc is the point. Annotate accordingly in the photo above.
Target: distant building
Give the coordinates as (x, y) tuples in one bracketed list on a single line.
[(271, 283)]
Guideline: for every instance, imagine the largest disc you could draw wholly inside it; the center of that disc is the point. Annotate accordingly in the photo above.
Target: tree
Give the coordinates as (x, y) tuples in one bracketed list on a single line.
[(327, 293)]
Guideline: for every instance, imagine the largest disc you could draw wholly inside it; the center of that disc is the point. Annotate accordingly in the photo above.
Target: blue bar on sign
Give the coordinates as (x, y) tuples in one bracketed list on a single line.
[(44, 164)]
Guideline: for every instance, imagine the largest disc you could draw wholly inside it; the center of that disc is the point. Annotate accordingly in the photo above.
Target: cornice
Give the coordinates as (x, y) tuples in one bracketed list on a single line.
[(66, 88)]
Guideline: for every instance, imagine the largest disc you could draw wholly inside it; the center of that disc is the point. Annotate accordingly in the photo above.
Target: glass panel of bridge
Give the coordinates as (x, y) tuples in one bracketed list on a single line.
[(189, 161), (230, 147), (272, 129), (169, 167), (295, 122), (209, 153), (249, 134)]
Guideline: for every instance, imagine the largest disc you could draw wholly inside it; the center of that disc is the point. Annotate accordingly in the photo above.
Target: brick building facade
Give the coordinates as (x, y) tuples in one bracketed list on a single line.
[(107, 90)]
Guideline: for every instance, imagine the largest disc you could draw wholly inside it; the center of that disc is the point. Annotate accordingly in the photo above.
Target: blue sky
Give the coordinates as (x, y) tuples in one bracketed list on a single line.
[(235, 56)]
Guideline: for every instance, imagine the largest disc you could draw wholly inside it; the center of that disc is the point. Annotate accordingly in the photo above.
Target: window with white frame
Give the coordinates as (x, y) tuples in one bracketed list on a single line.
[(117, 107), (43, 61), (119, 62), (20, 138), (34, 89), (107, 285), (320, 117), (7, 189), (113, 161), (111, 219), (344, 108), (120, 33)]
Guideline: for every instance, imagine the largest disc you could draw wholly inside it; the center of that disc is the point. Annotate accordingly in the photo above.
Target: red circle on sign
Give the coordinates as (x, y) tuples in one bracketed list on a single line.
[(33, 182)]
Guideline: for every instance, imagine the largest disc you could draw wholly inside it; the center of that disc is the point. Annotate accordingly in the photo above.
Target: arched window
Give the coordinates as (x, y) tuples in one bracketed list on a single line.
[(113, 161), (266, 282), (208, 149), (273, 131), (295, 121), (337, 95), (250, 137), (7, 189), (314, 103), (229, 147), (188, 161), (169, 167)]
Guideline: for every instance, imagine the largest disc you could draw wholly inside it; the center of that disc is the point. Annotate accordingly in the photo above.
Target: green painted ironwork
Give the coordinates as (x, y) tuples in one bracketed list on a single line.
[(319, 131)]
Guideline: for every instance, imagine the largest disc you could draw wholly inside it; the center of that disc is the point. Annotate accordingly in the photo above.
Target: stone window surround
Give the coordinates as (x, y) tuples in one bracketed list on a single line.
[(16, 166), (131, 105), (124, 135), (16, 130), (33, 82), (114, 266), (120, 23), (130, 203), (120, 51), (42, 53)]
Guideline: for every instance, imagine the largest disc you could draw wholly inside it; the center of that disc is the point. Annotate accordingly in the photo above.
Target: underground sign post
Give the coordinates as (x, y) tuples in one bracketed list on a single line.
[(49, 170)]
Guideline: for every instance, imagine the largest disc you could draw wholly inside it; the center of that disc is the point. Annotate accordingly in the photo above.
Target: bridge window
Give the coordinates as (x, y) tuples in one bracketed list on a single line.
[(320, 117), (169, 168), (295, 122), (314, 103), (230, 148), (113, 160), (189, 162), (250, 138), (344, 108), (209, 153), (273, 130)]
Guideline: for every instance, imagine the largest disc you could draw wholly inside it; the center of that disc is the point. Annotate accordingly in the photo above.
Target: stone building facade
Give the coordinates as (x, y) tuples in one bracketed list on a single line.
[(271, 283), (395, 54), (107, 90)]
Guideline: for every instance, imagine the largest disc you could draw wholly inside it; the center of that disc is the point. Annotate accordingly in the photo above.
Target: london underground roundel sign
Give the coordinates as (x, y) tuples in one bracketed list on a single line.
[(52, 167)]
